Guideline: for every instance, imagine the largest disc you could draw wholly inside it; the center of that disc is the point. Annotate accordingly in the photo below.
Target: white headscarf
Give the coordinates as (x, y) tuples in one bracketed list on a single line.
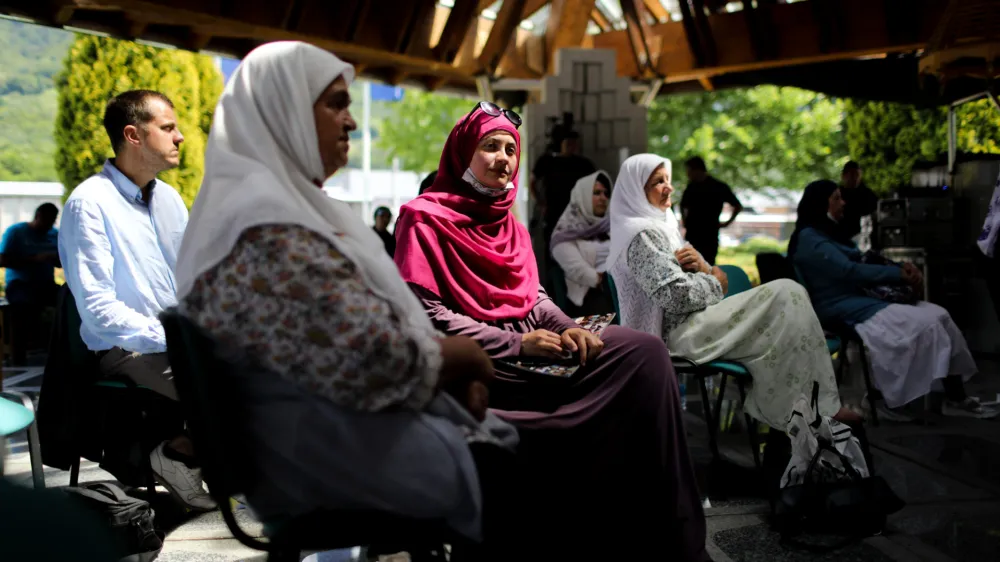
[(261, 166), (631, 213)]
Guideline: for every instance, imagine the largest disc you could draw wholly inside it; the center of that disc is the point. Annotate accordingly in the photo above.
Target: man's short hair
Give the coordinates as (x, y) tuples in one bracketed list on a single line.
[(47, 210), (382, 210), (129, 108), (851, 166), (570, 135), (696, 163)]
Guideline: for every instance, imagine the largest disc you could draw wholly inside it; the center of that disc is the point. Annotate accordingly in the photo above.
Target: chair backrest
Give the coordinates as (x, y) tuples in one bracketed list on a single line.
[(738, 279), (211, 407), (614, 296), (557, 282), (773, 266)]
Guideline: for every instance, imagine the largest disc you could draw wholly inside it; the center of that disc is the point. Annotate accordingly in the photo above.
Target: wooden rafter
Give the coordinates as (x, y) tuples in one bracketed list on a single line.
[(463, 15), (293, 14), (357, 19), (532, 8), (657, 10), (634, 12), (787, 34), (500, 37), (566, 27), (691, 32), (704, 32), (599, 19)]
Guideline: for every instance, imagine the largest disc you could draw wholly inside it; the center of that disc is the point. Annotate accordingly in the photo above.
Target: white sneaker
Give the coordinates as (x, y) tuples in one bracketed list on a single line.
[(183, 483), (969, 408)]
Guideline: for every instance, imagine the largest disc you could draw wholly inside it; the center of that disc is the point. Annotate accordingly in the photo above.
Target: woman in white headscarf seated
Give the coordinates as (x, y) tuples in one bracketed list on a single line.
[(580, 245), (348, 387), (666, 288)]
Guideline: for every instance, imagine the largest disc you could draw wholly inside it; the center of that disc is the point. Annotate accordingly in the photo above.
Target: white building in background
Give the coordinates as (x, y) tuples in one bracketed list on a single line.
[(19, 199), (386, 188)]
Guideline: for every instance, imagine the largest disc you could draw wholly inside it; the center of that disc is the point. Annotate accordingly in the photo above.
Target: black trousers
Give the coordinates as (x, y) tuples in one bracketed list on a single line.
[(706, 244), (28, 301)]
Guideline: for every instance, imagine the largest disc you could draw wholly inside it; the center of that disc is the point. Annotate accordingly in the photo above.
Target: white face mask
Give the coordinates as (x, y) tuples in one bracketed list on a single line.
[(493, 192)]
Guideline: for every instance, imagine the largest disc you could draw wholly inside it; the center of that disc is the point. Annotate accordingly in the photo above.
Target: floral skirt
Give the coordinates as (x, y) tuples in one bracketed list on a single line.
[(773, 331)]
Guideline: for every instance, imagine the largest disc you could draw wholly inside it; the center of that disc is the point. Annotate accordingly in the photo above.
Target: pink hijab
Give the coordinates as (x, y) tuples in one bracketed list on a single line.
[(464, 246)]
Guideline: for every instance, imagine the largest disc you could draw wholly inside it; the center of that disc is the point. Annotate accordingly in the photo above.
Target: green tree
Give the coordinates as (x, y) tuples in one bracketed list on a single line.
[(32, 55), (98, 68), (887, 139), (417, 127), (760, 137)]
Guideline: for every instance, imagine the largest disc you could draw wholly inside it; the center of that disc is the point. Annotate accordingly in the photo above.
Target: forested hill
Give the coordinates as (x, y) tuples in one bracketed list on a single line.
[(31, 57)]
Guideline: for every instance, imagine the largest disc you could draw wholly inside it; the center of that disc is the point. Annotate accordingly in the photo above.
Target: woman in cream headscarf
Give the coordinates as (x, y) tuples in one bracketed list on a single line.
[(580, 245), (344, 379), (666, 288)]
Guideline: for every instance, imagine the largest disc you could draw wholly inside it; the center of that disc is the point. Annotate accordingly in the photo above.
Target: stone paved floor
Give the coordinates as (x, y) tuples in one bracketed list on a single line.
[(947, 470)]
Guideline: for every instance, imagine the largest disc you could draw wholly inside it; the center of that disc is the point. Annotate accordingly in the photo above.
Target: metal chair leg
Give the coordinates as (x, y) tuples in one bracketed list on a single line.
[(705, 404), (74, 472), (34, 448), (718, 401), (868, 382), (751, 424)]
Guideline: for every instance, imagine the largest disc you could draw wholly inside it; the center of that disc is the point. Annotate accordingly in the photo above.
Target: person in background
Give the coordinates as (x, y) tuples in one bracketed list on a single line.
[(912, 347), (987, 244), (119, 237), (603, 452), (580, 245), (859, 201), (427, 182), (559, 175), (29, 251), (383, 216), (353, 400), (701, 206), (667, 289)]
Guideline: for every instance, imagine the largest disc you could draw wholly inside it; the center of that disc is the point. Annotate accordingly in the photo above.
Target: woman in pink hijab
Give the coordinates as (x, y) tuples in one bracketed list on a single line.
[(604, 454)]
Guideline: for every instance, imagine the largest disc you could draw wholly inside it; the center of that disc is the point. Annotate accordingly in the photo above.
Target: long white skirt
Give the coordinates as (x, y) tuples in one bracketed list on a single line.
[(773, 331), (910, 347)]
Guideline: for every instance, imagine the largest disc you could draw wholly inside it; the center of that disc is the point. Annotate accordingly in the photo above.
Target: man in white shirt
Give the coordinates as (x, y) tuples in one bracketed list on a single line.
[(120, 233)]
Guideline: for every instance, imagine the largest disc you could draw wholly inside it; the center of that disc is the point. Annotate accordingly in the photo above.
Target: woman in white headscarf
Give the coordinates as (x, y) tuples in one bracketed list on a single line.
[(580, 245), (666, 288), (347, 385)]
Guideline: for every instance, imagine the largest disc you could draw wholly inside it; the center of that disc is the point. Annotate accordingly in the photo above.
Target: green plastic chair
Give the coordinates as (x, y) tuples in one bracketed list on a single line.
[(738, 280), (557, 281), (701, 372), (16, 417), (82, 358)]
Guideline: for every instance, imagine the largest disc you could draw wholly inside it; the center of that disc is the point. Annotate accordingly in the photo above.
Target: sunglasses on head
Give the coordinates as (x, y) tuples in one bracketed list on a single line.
[(494, 110)]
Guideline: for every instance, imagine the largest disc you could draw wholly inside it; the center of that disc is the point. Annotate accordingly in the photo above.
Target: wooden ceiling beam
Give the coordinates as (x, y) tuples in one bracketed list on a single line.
[(791, 28), (532, 8), (601, 20), (659, 12), (691, 32), (566, 27), (463, 15), (704, 32), (357, 20), (421, 17), (634, 12), (503, 31)]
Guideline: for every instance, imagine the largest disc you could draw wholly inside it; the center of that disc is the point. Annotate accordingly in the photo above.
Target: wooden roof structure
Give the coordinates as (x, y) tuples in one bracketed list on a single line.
[(679, 45)]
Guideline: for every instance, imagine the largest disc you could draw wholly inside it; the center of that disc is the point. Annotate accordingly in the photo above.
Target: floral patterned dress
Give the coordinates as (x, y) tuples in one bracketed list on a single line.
[(341, 408), (772, 330)]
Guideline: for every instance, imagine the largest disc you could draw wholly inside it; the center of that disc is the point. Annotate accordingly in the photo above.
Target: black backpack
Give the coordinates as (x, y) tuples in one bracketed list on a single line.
[(130, 519)]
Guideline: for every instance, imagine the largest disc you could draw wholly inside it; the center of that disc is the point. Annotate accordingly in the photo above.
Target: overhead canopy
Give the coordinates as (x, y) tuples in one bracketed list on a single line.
[(857, 48)]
